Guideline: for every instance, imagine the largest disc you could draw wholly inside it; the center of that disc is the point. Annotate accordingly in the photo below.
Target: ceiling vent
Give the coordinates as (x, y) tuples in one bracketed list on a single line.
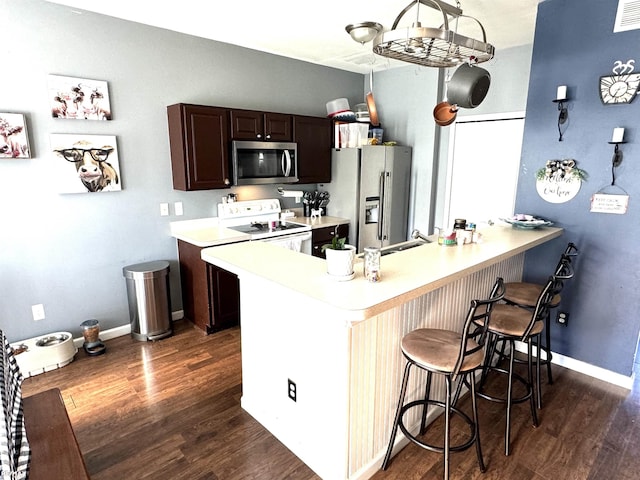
[(628, 16)]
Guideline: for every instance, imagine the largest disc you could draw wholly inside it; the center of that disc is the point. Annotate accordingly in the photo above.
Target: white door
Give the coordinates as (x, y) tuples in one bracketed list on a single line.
[(484, 160)]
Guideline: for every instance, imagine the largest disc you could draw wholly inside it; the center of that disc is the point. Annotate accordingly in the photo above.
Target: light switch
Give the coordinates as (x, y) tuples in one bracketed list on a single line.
[(178, 208), (164, 209), (38, 312)]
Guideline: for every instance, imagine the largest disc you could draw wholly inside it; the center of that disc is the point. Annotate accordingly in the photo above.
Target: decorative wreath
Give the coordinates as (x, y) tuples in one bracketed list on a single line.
[(561, 170)]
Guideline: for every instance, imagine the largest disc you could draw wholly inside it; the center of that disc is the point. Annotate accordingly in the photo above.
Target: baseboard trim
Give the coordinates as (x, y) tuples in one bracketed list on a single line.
[(585, 368), (123, 330)]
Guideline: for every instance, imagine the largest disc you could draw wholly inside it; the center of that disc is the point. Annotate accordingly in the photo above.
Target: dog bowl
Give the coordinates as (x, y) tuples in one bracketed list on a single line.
[(41, 354)]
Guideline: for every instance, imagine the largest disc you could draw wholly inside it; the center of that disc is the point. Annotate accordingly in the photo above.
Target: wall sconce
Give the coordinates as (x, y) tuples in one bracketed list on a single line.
[(563, 115), (616, 140)]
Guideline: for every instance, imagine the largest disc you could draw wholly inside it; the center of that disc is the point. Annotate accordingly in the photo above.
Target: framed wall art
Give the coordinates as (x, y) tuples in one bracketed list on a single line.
[(14, 140), (79, 98), (85, 163)]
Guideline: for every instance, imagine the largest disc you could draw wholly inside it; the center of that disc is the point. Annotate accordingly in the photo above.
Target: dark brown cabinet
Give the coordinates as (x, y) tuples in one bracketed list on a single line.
[(313, 136), (210, 295), (261, 126), (199, 143), (322, 236)]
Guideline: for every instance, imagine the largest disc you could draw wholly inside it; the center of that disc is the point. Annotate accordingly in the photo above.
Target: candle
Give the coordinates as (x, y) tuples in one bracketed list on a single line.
[(618, 135), (562, 93)]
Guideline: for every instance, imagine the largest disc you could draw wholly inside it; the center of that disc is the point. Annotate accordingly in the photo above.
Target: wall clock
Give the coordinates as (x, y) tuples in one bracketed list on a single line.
[(622, 86)]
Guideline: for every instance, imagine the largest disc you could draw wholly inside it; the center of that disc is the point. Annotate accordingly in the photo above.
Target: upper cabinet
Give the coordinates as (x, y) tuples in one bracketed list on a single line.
[(199, 142), (313, 136), (261, 126)]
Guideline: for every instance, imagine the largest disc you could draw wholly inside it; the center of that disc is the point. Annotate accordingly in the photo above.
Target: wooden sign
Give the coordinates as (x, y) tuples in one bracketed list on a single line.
[(607, 203)]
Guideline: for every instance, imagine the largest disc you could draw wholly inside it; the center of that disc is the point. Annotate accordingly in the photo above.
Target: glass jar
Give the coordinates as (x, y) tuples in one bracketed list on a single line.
[(372, 264), (91, 331)]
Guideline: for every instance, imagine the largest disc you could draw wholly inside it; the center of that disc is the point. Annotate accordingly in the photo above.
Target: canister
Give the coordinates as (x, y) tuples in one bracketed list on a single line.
[(372, 264)]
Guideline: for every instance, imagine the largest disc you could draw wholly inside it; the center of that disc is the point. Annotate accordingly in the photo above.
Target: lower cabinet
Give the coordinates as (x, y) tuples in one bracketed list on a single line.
[(210, 295), (322, 236)]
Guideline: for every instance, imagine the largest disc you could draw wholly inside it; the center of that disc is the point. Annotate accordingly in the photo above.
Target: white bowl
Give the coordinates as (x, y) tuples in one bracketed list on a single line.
[(336, 106)]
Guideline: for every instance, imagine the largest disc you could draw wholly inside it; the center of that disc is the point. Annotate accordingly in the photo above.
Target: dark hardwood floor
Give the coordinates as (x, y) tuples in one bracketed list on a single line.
[(171, 410)]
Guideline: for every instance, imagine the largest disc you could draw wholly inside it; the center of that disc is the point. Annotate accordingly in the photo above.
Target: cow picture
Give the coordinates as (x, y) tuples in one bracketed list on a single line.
[(79, 98), (86, 163), (13, 136)]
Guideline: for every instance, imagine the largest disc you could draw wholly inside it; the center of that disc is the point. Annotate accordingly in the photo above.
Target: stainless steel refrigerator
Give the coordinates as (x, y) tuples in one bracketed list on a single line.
[(370, 186)]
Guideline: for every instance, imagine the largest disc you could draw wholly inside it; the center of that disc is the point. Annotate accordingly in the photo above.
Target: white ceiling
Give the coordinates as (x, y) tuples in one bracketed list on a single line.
[(315, 31)]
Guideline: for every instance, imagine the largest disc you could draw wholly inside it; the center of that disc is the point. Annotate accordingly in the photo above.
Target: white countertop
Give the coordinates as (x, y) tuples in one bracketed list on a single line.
[(404, 275), (205, 232)]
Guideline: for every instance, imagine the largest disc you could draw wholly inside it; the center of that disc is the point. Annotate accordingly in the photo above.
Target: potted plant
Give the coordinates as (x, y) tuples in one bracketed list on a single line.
[(340, 257)]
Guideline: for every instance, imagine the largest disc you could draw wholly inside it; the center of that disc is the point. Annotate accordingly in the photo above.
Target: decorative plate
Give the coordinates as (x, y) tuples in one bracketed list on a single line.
[(527, 222)]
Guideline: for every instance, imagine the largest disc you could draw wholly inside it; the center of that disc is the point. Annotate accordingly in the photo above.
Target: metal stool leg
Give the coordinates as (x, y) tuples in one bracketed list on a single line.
[(538, 381), (447, 424), (547, 348), (532, 399), (474, 406), (427, 394), (394, 431), (507, 435)]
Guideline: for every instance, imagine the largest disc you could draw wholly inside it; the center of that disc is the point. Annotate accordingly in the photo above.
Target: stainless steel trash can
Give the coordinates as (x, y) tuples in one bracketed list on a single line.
[(149, 300)]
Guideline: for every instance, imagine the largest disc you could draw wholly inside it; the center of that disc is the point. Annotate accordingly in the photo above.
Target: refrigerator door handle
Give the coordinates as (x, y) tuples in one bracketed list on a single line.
[(384, 230), (381, 215)]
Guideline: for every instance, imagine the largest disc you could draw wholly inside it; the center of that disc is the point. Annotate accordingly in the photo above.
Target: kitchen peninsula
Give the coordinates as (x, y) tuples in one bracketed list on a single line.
[(321, 364)]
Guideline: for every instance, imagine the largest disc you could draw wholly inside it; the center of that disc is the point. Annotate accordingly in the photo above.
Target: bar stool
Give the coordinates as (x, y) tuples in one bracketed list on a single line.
[(507, 324), (525, 294), (451, 354)]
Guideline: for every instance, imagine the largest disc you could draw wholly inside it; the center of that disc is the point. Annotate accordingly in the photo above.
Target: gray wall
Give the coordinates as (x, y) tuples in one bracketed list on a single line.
[(67, 251), (574, 46)]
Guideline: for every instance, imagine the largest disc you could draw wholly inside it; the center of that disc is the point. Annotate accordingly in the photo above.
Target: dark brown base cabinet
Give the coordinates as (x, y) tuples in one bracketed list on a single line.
[(210, 295), (322, 236)]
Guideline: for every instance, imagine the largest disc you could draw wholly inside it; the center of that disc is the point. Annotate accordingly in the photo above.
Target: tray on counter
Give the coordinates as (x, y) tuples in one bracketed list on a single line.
[(527, 222)]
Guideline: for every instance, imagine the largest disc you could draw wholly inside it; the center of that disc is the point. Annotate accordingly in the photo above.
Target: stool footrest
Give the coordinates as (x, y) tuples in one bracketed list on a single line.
[(493, 398), (436, 448)]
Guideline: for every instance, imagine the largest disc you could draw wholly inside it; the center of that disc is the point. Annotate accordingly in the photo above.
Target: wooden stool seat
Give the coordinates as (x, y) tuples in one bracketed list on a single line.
[(513, 321), (526, 294), (438, 350)]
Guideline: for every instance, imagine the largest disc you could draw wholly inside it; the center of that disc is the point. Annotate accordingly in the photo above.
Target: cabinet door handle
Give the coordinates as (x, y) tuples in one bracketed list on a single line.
[(259, 135), (268, 137), (226, 181)]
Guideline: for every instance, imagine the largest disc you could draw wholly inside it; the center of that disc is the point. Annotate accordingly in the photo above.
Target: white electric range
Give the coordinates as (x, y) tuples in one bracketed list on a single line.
[(260, 219)]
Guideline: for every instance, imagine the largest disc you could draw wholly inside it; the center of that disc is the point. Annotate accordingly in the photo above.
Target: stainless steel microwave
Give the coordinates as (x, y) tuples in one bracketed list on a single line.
[(260, 163)]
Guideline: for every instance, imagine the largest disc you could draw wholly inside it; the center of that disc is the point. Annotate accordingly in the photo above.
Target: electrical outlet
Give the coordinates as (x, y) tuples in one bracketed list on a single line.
[(164, 209), (292, 391), (178, 208), (38, 312), (562, 318)]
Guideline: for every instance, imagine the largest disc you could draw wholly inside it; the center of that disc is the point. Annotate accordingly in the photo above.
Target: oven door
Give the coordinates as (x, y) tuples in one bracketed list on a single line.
[(298, 242)]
